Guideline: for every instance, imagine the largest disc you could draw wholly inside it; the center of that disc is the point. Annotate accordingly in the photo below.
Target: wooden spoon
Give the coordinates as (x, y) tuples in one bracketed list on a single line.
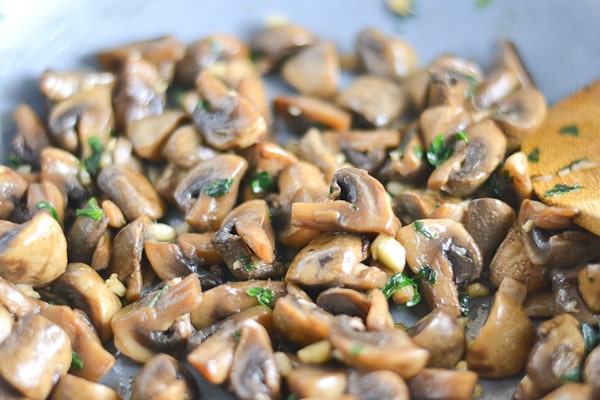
[(564, 156)]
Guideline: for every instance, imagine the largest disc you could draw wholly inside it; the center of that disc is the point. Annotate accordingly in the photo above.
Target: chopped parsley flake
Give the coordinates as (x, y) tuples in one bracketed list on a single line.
[(573, 375), (14, 161), (245, 260), (204, 104), (420, 228), (44, 205), (571, 130), (92, 210), (356, 349), (440, 151), (508, 178), (218, 188), (418, 152), (158, 295), (560, 189), (261, 182), (92, 162), (534, 155), (76, 362), (264, 296), (427, 273), (236, 335), (397, 282), (590, 338), (465, 304)]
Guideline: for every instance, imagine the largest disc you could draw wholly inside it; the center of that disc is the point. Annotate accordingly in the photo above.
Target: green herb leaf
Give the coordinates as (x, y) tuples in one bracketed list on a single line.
[(418, 152), (571, 130), (573, 375), (76, 362), (397, 282), (237, 335), (92, 162), (590, 339), (534, 155), (292, 396), (481, 4), (44, 205), (158, 295), (420, 228), (204, 104), (264, 296), (14, 161), (218, 188), (465, 304), (440, 151), (508, 178), (356, 349), (92, 210), (427, 273), (245, 260), (261, 182), (560, 189)]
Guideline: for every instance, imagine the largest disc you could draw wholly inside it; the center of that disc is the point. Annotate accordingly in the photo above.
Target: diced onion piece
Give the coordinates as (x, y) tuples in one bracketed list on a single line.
[(316, 353), (389, 252)]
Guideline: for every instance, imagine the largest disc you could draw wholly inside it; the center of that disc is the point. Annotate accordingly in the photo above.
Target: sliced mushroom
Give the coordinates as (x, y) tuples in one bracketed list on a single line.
[(226, 120), (70, 386), (82, 287), (120, 152), (572, 391), (376, 102), (589, 286), (131, 191), (314, 70), (312, 381), (38, 193), (313, 149), (512, 181), (385, 56), (16, 302), (246, 242), (445, 120), (35, 252), (7, 323), (31, 136), (540, 305), (204, 53), (273, 44), (443, 335), (231, 298), (382, 385), (558, 351), (454, 76), (472, 162), (12, 188), (333, 260), (209, 191), (567, 296), (115, 216), (503, 344), (140, 92), (157, 321), (391, 350), (35, 355), (163, 52), (437, 383), (357, 203), (96, 360), (302, 112), (406, 162), (450, 251), (488, 221), (499, 83), (84, 236), (149, 134), (338, 300), (591, 368), (254, 372), (185, 148), (60, 85), (164, 377), (412, 204), (64, 170), (520, 114)]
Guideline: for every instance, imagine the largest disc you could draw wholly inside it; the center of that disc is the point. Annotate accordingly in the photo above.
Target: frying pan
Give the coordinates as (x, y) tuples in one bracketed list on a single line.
[(558, 40)]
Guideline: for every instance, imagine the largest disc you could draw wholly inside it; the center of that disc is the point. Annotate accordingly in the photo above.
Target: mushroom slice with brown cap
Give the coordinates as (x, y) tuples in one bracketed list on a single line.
[(60, 85), (312, 381), (70, 387), (16, 302), (157, 321), (376, 102), (443, 335), (84, 236), (131, 191), (558, 351), (338, 300), (303, 112), (206, 52), (406, 162), (63, 169), (438, 383), (447, 120), (499, 83), (7, 323), (520, 114), (163, 377), (35, 355), (299, 182), (148, 135), (12, 188), (246, 242), (385, 56), (96, 361), (35, 252), (185, 148), (31, 136), (333, 260), (448, 249), (254, 373), (275, 43), (45, 193), (567, 297), (589, 286), (225, 119), (209, 191), (391, 350), (82, 287), (231, 298), (382, 385), (164, 52), (414, 204), (503, 344), (74, 121), (591, 368), (572, 391), (454, 71), (314, 70), (140, 92), (357, 203), (472, 162), (254, 89), (313, 149)]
